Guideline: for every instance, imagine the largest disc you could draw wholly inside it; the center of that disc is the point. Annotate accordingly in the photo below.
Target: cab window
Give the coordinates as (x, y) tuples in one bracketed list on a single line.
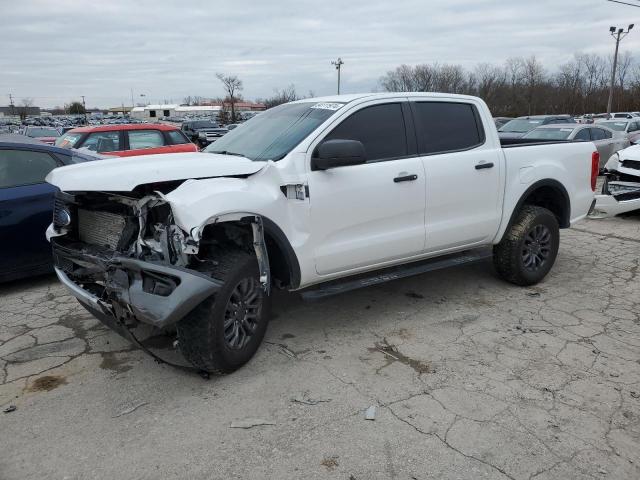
[(380, 128)]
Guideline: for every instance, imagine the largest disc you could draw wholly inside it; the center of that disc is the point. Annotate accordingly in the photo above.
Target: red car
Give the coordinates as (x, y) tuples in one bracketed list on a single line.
[(127, 140)]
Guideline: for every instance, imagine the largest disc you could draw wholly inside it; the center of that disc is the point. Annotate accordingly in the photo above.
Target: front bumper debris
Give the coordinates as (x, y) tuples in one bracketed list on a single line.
[(621, 197), (128, 290)]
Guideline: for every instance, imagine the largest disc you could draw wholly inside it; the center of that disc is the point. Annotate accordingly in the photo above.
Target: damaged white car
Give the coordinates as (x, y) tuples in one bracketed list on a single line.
[(320, 195), (621, 188)]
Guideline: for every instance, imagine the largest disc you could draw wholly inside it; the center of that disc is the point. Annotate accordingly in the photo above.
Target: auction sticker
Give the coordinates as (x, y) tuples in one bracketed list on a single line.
[(328, 106)]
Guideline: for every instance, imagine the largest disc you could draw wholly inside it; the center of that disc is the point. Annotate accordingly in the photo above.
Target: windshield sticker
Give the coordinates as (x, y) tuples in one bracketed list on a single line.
[(566, 129), (535, 121), (328, 106)]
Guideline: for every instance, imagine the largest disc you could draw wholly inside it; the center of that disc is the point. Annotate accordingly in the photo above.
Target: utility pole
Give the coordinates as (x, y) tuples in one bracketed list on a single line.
[(84, 109), (11, 104), (338, 63), (618, 34)]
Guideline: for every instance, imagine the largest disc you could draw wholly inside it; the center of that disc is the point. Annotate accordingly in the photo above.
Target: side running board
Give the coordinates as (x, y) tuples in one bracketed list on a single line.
[(393, 273)]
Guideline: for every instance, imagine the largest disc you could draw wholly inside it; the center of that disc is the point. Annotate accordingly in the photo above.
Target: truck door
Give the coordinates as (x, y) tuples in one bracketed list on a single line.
[(368, 214), (463, 174)]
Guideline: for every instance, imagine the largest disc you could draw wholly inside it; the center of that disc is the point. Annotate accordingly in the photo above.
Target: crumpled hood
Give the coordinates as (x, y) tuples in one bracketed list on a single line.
[(126, 173), (630, 153)]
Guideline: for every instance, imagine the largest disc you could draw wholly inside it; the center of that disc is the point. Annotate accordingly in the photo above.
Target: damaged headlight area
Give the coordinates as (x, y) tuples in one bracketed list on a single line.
[(621, 188), (124, 257)]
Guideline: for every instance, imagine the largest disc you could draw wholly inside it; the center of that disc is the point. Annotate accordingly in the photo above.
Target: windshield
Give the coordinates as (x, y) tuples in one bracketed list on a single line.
[(619, 126), (520, 125), (68, 140), (42, 132), (549, 133), (274, 133)]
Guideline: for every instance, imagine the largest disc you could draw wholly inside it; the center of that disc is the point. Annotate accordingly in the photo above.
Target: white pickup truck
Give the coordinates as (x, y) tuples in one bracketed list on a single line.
[(321, 195)]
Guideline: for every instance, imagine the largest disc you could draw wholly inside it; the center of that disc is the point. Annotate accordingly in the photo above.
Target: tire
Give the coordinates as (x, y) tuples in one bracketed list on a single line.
[(529, 248), (202, 337)]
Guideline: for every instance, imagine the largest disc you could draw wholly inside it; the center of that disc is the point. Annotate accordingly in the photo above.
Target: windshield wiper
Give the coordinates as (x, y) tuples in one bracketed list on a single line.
[(227, 152)]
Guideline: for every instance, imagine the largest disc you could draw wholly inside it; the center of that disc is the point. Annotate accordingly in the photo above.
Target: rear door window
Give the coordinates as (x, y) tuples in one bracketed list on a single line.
[(380, 128), (24, 167), (177, 137), (597, 134), (583, 135), (103, 142), (447, 127), (139, 139)]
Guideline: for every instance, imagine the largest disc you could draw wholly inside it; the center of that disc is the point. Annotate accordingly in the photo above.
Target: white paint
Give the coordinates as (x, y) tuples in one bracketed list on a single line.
[(356, 218)]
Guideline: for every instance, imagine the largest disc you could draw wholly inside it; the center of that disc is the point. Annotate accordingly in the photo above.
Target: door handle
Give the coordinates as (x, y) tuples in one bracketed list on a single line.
[(405, 178), (480, 166)]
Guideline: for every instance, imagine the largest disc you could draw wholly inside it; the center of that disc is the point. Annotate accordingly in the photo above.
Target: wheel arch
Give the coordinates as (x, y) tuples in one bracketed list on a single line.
[(547, 193), (283, 261)]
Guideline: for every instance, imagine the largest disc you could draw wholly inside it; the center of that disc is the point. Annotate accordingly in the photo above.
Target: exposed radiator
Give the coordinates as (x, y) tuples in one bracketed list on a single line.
[(100, 228)]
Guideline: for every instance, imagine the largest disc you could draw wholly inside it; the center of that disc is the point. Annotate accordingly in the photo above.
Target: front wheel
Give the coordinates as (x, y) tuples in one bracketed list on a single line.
[(224, 332), (529, 248)]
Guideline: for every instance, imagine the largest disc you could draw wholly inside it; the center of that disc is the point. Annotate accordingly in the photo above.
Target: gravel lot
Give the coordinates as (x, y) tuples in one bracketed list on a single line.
[(472, 378)]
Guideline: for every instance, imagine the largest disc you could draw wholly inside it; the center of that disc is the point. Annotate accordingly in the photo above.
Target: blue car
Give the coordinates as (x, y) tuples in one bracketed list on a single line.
[(26, 203)]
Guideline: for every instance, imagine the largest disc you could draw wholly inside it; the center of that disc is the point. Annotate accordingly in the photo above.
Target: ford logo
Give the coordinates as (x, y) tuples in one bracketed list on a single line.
[(62, 218)]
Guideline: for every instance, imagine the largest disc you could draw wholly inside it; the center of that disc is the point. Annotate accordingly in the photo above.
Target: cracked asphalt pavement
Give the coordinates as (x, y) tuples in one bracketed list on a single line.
[(471, 378)]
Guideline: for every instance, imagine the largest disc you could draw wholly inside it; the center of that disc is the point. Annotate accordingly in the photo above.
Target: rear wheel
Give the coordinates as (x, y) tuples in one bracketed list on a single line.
[(529, 248), (225, 331)]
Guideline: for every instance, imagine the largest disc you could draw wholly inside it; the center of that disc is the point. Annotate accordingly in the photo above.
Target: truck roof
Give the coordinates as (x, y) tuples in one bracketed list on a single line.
[(347, 98)]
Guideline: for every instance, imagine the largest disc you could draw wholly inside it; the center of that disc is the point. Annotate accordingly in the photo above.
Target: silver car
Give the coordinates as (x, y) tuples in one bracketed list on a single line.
[(607, 141)]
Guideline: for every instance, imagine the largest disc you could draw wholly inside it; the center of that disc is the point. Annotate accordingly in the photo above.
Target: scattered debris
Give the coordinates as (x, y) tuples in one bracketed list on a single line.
[(395, 356), (282, 348), (330, 462), (533, 330), (9, 409), (250, 423), (614, 375), (370, 413), (306, 400), (635, 394), (533, 294), (287, 335), (130, 410), (414, 295)]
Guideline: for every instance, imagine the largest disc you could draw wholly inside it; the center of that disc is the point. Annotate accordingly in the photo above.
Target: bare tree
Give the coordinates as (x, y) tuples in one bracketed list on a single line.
[(25, 105), (533, 76), (232, 85), (624, 64), (285, 95), (489, 80)]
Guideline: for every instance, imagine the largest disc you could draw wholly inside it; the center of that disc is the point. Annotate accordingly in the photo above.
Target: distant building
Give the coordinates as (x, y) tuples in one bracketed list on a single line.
[(241, 106), (16, 110), (150, 112)]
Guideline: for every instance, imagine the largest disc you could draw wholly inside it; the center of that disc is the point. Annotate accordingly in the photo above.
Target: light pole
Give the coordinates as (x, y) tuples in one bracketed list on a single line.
[(338, 63), (84, 109), (618, 34)]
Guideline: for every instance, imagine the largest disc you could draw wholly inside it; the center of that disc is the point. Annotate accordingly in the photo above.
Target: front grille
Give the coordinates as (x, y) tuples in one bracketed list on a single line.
[(100, 228), (635, 164)]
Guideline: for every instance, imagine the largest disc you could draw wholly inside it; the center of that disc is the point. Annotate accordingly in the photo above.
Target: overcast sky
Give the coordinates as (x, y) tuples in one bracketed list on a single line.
[(56, 50)]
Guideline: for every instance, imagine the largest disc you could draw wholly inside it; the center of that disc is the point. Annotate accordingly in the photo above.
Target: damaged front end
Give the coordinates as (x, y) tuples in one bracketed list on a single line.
[(621, 188), (124, 258)]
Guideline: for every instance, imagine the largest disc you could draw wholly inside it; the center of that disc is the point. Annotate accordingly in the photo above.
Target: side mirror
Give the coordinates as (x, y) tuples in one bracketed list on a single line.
[(338, 153)]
